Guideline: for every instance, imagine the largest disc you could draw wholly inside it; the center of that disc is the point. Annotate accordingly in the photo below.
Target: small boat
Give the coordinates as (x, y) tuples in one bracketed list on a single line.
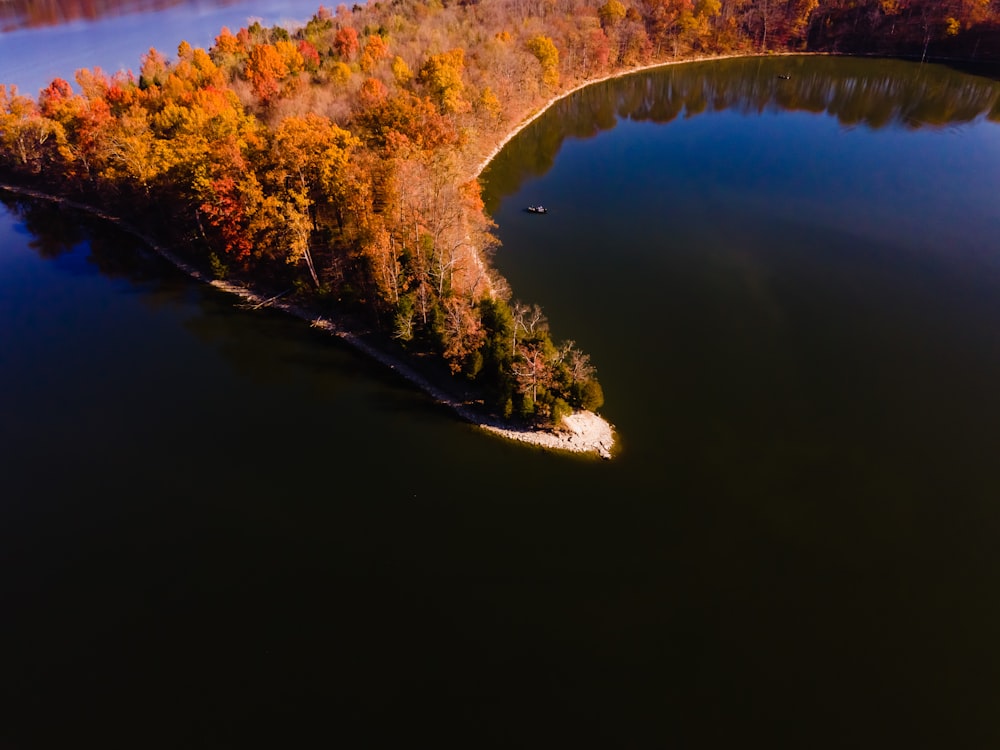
[(784, 77), (538, 209)]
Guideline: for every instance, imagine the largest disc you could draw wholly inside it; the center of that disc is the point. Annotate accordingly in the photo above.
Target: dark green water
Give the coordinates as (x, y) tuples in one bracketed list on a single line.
[(219, 528)]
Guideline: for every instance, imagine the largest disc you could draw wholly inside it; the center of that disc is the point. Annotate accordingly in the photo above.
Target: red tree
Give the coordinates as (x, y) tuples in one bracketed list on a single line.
[(346, 43)]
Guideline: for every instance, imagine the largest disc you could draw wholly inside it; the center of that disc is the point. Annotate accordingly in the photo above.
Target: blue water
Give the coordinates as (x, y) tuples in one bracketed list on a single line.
[(31, 58)]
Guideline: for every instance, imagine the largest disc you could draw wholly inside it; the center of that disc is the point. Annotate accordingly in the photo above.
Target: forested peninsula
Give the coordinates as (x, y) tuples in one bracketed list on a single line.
[(333, 168)]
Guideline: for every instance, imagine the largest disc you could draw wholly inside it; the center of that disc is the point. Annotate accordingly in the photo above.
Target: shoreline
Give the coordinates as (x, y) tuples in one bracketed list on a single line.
[(485, 162), (585, 432)]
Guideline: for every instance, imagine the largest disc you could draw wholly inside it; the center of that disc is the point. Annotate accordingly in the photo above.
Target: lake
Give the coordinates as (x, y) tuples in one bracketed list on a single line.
[(60, 38), (219, 527)]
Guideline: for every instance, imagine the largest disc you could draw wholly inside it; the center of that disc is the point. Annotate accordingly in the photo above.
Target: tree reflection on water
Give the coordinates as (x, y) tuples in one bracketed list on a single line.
[(894, 93)]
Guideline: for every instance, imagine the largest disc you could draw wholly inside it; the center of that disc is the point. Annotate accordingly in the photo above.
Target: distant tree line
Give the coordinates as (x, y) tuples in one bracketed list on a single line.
[(339, 157)]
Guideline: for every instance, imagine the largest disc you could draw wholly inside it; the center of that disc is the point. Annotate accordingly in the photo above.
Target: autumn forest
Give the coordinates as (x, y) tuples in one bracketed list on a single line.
[(338, 161)]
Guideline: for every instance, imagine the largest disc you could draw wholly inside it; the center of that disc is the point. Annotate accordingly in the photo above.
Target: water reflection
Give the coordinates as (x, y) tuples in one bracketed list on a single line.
[(55, 39), (858, 94), (266, 348), (56, 233), (50, 236), (26, 14)]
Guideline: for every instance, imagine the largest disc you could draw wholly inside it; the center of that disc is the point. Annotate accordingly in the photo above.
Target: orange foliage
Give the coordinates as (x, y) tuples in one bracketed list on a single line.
[(227, 44), (409, 121), (375, 51), (54, 98), (372, 93), (346, 43), (265, 69)]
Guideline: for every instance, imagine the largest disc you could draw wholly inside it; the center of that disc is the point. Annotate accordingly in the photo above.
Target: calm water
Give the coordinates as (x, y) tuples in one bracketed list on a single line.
[(219, 527), (30, 57)]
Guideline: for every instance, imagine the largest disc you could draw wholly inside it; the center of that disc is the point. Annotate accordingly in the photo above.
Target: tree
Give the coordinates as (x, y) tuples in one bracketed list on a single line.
[(462, 334), (310, 57), (401, 71), (265, 69), (225, 209), (340, 74), (345, 42), (317, 26), (442, 75), (407, 122), (23, 131), (797, 21), (532, 373), (488, 107), (544, 50), (375, 51), (611, 13), (382, 254), (154, 69), (596, 51), (308, 156), (226, 44), (291, 56), (372, 93)]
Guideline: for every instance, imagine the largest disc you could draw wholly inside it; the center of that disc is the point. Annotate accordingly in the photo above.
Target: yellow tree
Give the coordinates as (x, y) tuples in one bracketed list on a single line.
[(24, 132), (799, 13), (545, 51), (228, 52), (442, 75), (488, 108), (206, 134), (308, 157), (340, 74), (611, 13), (401, 71), (291, 56), (136, 157)]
